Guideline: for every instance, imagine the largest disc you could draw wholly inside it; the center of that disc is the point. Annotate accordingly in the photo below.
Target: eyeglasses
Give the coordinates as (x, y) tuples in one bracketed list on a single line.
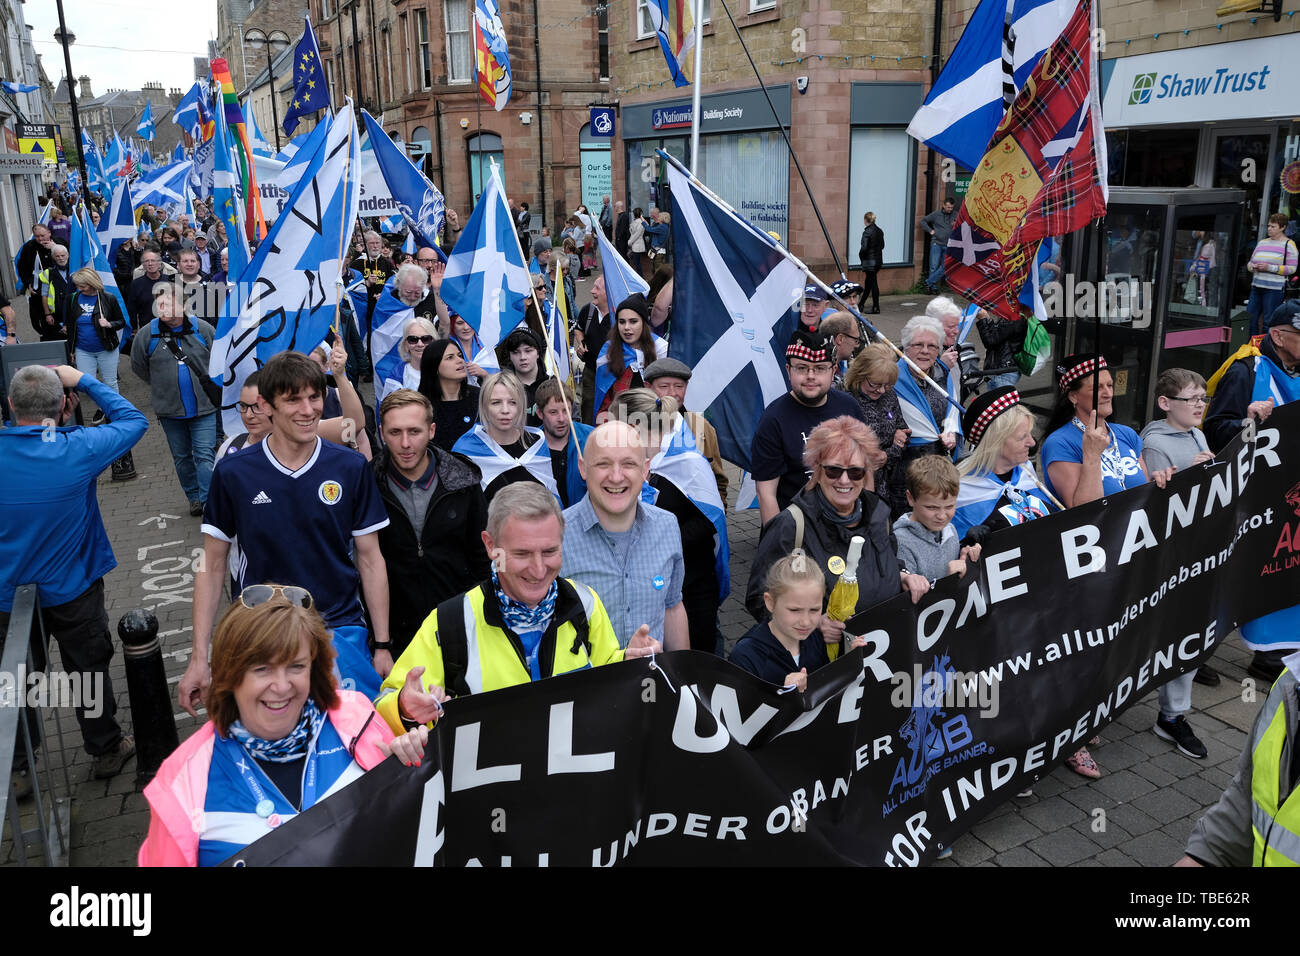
[(923, 346), (814, 369), (876, 386), (833, 472), (247, 408), (1194, 400), (419, 339), (426, 262), (256, 594)]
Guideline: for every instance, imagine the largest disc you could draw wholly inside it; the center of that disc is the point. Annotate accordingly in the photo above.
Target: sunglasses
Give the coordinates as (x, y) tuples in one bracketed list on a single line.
[(833, 472), (256, 594), (419, 339)]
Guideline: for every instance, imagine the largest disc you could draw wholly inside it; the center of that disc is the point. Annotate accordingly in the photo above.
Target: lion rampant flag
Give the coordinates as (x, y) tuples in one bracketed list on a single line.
[(1042, 175)]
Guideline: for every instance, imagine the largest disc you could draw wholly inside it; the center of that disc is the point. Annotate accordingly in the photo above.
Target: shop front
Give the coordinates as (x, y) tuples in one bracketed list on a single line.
[(1219, 116), (743, 157)]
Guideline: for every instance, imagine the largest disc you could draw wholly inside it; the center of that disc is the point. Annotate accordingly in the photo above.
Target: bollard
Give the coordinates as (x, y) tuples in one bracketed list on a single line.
[(148, 691), (124, 468)]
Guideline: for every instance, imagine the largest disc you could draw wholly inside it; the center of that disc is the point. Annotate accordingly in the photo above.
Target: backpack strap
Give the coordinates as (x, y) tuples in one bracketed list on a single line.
[(454, 644), (797, 514), (154, 335), (580, 624)]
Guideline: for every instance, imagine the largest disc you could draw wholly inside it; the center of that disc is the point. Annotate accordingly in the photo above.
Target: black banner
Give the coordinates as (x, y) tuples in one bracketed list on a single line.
[(894, 751)]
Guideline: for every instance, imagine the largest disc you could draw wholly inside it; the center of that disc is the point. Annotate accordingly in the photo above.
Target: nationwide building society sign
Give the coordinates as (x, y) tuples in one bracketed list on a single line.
[(1250, 79)]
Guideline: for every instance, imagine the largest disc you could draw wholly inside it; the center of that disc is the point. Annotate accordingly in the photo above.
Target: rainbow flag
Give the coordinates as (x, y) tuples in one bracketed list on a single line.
[(254, 222)]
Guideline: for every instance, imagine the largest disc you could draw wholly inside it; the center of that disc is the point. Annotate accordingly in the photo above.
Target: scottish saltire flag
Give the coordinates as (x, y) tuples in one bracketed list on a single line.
[(145, 127), (15, 88), (738, 286), (494, 461), (633, 360), (81, 249), (203, 169), (256, 140), (99, 181), (1044, 174), (491, 58), (163, 187), (117, 224), (388, 325), (25, 282), (146, 161), (308, 143), (178, 154), (95, 255), (747, 497), (675, 28), (115, 157), (420, 202), (189, 112), (486, 282), (997, 51), (679, 460), (914, 401), (393, 224), (967, 322), (291, 287), (1017, 501), (621, 280), (310, 91)]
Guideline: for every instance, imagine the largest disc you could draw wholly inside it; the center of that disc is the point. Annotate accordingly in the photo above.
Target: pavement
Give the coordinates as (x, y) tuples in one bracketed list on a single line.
[(1138, 814)]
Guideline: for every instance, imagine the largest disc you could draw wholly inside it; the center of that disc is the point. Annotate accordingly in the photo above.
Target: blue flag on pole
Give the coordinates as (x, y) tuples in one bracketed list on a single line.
[(15, 88), (256, 141), (189, 113), (117, 225), (115, 157), (145, 126), (486, 282), (292, 285), (178, 153), (99, 181), (227, 205), (420, 202), (737, 285), (621, 280), (680, 461), (1001, 45), (95, 256), (163, 187), (310, 91)]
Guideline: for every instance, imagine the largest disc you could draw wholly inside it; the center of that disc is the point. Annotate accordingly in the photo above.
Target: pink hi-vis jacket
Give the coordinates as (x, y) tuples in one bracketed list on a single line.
[(177, 794)]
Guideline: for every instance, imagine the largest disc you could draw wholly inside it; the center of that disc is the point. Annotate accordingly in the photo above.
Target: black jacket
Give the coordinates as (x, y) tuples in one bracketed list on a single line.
[(32, 258), (872, 245), (448, 559), (1002, 339), (1232, 397), (878, 571), (760, 653), (139, 299), (107, 306)]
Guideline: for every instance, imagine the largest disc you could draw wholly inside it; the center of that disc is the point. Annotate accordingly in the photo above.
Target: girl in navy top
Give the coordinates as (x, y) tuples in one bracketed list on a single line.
[(784, 649)]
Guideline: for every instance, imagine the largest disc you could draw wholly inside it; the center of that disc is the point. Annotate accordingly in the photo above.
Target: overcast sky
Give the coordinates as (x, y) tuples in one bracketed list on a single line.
[(124, 44)]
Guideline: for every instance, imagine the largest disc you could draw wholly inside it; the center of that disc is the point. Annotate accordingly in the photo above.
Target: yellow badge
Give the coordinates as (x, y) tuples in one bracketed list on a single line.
[(330, 492), (835, 564)]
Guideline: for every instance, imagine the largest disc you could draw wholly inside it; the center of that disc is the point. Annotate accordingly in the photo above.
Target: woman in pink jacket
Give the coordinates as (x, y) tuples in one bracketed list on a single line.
[(280, 736)]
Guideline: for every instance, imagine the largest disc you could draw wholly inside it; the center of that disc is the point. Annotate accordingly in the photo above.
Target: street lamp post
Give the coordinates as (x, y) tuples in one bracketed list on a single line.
[(65, 40), (275, 44)]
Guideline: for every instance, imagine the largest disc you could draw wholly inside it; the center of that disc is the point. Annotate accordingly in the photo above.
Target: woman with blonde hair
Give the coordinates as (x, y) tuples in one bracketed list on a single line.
[(93, 319), (505, 449)]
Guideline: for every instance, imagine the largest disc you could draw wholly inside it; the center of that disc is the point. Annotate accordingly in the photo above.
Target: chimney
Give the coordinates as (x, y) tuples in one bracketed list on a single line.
[(85, 93)]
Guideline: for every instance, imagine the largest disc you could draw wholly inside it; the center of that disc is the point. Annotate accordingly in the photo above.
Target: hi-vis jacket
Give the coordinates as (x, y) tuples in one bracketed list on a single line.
[(1257, 820), (493, 656), (178, 793)]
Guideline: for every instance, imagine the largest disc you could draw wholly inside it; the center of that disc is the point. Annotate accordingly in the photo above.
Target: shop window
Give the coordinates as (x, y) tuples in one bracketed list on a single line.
[(882, 171), (751, 171), (1156, 158)]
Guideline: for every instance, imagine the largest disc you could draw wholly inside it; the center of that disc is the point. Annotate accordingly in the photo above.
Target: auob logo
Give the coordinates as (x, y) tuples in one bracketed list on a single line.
[(934, 740), (1143, 84)]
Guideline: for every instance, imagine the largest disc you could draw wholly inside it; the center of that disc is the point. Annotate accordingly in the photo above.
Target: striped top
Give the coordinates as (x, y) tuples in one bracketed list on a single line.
[(1278, 259)]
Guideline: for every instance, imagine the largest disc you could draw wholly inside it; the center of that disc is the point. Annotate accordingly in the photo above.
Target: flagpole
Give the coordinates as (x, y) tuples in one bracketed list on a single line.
[(875, 332), (1095, 14), (550, 345), (695, 88)]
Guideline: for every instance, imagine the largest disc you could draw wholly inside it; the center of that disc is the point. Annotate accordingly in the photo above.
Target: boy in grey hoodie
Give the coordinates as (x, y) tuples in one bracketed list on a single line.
[(926, 540), (1177, 442)]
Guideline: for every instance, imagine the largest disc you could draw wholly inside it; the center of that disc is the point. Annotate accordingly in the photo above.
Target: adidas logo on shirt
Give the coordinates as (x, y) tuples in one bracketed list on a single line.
[(262, 498)]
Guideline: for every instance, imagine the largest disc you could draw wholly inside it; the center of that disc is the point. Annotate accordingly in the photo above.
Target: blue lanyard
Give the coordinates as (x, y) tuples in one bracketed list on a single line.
[(264, 807)]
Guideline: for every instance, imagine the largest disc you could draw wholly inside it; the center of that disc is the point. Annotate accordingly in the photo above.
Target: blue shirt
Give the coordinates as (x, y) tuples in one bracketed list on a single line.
[(296, 527), (638, 577), (51, 532), (87, 336), (1120, 468)]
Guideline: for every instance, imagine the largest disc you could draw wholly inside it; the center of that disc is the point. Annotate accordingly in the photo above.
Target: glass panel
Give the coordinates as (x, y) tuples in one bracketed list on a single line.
[(1232, 155), (1158, 158), (458, 56), (480, 170), (597, 176), (1196, 329), (882, 164), (751, 171)]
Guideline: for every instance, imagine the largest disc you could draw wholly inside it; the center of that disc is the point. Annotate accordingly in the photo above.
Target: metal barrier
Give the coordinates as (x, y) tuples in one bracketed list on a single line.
[(26, 636)]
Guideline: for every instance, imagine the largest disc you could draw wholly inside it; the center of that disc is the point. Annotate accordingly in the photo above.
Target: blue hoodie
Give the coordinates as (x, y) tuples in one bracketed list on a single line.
[(51, 532)]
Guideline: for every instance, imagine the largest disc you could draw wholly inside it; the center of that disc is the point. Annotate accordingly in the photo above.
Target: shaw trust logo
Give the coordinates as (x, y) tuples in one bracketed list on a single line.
[(1143, 84)]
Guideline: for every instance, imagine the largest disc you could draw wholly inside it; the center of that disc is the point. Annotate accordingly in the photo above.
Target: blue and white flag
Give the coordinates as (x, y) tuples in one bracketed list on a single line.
[(291, 287), (310, 91), (388, 325), (738, 285), (115, 157), (190, 112), (420, 202), (178, 154), (393, 224), (203, 168), (146, 161), (16, 88), (997, 51), (914, 402), (96, 257), (967, 322), (117, 224), (99, 181), (26, 282), (679, 460), (621, 280), (145, 126), (493, 461), (308, 143), (634, 360), (81, 247), (486, 282), (163, 187), (979, 495), (256, 141), (227, 203)]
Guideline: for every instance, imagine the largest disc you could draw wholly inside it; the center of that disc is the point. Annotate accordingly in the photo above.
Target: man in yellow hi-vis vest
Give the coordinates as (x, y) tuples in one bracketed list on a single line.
[(1257, 820)]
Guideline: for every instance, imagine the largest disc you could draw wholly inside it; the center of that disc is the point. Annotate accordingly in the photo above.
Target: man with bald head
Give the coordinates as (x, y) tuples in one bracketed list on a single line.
[(628, 552)]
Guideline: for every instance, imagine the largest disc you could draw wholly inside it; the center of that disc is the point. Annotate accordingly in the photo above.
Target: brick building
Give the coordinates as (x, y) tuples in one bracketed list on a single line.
[(845, 76), (416, 77)]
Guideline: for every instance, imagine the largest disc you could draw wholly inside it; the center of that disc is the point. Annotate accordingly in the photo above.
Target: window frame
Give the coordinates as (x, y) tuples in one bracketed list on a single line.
[(423, 55), (643, 5), (450, 38)]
